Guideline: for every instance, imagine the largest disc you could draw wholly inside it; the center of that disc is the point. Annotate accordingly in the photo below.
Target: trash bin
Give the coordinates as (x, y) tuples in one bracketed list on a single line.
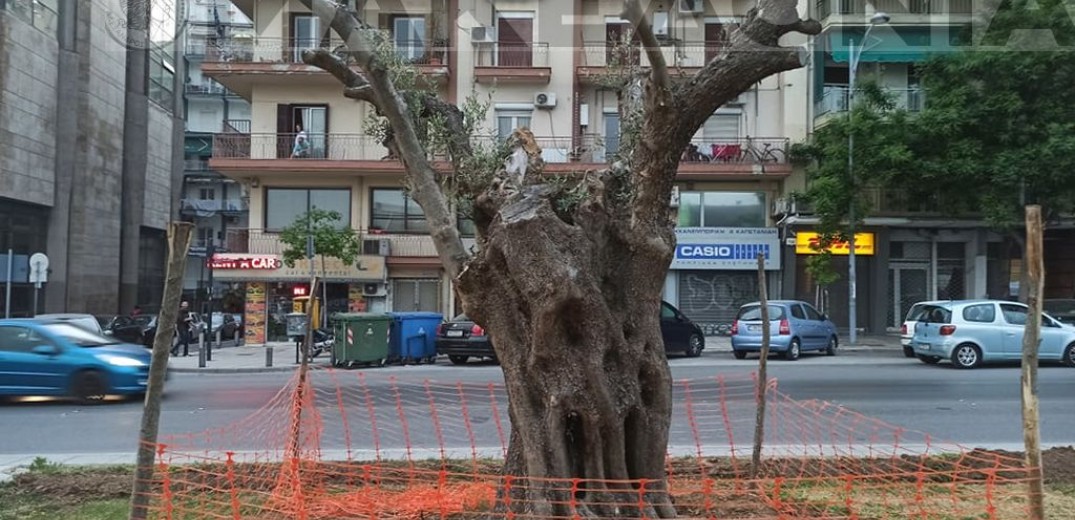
[(413, 338), (361, 338)]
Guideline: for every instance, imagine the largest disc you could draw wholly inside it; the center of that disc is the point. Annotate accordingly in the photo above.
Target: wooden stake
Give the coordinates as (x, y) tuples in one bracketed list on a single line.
[(763, 377), (1035, 266), (178, 245)]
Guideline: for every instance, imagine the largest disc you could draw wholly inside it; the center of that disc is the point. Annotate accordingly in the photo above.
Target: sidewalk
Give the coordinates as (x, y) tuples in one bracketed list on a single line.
[(251, 358)]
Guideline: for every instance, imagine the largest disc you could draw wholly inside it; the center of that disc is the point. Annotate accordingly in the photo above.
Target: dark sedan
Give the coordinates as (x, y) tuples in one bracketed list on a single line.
[(461, 339)]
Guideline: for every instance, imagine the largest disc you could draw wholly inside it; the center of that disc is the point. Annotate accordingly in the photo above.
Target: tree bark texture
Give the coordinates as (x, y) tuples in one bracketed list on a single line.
[(1034, 267), (568, 275)]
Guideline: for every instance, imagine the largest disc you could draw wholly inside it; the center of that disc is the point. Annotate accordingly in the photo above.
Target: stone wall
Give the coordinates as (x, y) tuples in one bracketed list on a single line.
[(159, 171)]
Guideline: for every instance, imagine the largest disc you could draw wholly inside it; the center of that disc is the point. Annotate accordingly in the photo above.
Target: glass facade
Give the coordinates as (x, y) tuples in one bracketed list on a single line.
[(722, 209), (285, 205)]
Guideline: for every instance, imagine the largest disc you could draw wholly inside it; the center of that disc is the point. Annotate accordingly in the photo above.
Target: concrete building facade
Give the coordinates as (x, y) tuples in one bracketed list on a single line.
[(90, 147)]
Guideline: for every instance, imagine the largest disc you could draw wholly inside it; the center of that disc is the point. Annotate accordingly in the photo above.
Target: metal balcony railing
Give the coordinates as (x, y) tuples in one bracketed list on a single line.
[(834, 98), (745, 150), (263, 49), (195, 165), (207, 207), (237, 126), (267, 242), (826, 8), (332, 147), (527, 55), (206, 88)]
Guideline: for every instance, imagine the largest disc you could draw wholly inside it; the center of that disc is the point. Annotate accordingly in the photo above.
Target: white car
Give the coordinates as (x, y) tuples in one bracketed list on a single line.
[(909, 322)]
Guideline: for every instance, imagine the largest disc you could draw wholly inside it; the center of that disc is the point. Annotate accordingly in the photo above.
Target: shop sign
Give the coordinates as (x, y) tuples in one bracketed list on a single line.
[(366, 268), (244, 261), (726, 248), (806, 243)]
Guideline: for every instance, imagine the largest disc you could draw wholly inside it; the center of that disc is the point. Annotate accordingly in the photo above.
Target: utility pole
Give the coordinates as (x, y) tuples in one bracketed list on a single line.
[(1035, 267)]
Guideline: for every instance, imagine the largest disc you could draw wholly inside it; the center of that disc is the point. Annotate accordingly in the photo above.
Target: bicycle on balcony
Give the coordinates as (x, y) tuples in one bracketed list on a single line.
[(767, 154)]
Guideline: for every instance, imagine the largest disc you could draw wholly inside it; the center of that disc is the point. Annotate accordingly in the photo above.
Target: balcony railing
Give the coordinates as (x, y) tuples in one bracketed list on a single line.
[(263, 242), (515, 56), (195, 165), (206, 88), (262, 49), (886, 201), (587, 148), (679, 54), (237, 126), (835, 99), (209, 207), (826, 8)]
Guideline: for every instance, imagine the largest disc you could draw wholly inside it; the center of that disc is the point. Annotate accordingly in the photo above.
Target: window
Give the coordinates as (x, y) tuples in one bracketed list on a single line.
[(515, 36), (1013, 314), (284, 205), (311, 119), (409, 35), (306, 34), (753, 313), (161, 79), (811, 313), (205, 237), (934, 314), (19, 339), (508, 120), (667, 312), (797, 312), (42, 14), (393, 211), (206, 194), (466, 226), (984, 313), (721, 209)]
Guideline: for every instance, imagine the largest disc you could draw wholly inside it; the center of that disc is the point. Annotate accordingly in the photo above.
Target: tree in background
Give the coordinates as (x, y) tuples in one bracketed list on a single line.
[(569, 270), (332, 238)]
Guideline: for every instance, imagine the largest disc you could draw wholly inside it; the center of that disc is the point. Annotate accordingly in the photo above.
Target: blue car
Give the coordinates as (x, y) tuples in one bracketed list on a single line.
[(794, 327), (55, 358)]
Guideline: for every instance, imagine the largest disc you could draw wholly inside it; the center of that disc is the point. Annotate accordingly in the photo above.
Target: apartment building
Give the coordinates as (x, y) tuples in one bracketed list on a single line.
[(543, 64), (213, 202), (90, 142), (908, 250)]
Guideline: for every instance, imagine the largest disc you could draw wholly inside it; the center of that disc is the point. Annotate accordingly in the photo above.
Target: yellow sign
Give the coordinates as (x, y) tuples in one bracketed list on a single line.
[(806, 243)]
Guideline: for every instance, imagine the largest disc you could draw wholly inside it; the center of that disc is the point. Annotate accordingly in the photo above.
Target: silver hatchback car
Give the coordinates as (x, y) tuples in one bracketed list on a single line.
[(972, 332)]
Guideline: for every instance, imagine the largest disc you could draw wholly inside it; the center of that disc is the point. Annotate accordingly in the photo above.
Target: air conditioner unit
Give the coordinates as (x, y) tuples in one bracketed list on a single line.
[(545, 99), (482, 34), (377, 246), (675, 197), (374, 290), (691, 6), (781, 206)]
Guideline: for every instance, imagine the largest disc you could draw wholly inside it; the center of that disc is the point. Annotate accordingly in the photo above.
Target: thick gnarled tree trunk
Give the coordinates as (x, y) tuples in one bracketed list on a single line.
[(570, 292)]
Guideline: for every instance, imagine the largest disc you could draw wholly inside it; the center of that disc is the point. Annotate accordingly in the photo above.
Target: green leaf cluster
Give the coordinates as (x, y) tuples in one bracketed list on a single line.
[(333, 238)]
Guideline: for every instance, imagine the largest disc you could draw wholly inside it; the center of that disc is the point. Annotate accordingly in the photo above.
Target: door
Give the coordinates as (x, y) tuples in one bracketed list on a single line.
[(416, 295), (611, 137), (716, 38), (802, 326), (23, 371), (819, 333), (909, 285), (409, 35), (305, 34), (311, 119), (1054, 338), (515, 37), (508, 121), (617, 49), (675, 330), (1013, 323)]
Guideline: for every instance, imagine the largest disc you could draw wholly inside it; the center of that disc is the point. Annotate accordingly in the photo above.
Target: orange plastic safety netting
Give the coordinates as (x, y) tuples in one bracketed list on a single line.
[(351, 444)]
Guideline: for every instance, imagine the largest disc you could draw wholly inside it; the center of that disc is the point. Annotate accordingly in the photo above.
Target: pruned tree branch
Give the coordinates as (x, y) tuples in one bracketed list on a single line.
[(355, 86), (420, 174), (632, 12)]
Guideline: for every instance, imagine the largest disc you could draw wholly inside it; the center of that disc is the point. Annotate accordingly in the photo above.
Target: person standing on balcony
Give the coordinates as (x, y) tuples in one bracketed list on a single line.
[(301, 150)]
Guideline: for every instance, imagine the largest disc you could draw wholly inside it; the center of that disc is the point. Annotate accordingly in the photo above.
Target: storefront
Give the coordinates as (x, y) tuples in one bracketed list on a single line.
[(271, 288), (715, 271)]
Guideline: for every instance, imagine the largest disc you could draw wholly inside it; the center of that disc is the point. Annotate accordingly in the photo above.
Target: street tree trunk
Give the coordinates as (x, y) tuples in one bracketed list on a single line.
[(568, 273)]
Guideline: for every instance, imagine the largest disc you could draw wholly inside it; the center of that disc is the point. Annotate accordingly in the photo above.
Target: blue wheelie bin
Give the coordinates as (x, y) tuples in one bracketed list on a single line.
[(414, 335)]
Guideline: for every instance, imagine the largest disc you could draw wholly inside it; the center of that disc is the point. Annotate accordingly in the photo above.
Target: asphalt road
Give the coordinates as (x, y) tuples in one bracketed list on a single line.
[(459, 410)]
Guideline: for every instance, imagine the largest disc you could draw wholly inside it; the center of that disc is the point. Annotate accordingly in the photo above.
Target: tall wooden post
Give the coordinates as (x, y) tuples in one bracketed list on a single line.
[(178, 246), (763, 375), (1035, 266)]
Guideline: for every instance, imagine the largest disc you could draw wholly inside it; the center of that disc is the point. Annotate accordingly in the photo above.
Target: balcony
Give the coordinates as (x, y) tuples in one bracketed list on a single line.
[(906, 11), (683, 58), (206, 88), (834, 99), (523, 63), (262, 242), (889, 202), (237, 61), (351, 154), (208, 208)]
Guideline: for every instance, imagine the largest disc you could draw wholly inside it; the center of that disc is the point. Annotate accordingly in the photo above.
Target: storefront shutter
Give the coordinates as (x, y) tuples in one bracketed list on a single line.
[(712, 298)]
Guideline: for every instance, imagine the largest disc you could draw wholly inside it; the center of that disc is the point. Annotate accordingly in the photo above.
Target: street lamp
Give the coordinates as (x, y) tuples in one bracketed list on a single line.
[(879, 18)]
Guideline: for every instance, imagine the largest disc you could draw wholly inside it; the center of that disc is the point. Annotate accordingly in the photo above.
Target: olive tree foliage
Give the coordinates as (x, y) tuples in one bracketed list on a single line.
[(565, 268)]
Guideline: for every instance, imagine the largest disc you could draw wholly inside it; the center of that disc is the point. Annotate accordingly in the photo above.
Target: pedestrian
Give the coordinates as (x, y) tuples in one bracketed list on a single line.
[(136, 311), (301, 150), (183, 324)]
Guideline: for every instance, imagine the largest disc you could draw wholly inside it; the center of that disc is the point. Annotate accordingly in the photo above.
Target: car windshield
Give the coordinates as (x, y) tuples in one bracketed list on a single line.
[(915, 314), (753, 313), (79, 335), (461, 317)]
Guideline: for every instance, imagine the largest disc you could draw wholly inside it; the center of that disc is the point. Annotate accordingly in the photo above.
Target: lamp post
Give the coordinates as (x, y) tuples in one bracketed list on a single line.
[(854, 56)]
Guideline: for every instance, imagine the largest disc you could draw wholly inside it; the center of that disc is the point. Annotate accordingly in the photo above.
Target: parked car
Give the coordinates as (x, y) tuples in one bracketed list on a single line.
[(794, 327), (53, 357), (86, 321), (908, 327), (461, 339), (971, 332), (128, 329), (226, 324)]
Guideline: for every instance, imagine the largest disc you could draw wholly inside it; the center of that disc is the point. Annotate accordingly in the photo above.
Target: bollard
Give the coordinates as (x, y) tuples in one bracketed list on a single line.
[(201, 340), (218, 333), (201, 354), (297, 353), (236, 337), (209, 350), (268, 356)]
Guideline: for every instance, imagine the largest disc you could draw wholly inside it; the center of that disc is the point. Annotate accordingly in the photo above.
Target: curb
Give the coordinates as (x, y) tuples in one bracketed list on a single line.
[(253, 370)]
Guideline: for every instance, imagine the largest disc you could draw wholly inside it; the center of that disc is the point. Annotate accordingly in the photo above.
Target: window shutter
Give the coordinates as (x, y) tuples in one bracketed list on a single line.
[(722, 127)]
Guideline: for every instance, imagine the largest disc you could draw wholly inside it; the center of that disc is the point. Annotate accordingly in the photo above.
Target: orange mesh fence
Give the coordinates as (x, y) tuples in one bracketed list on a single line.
[(351, 444)]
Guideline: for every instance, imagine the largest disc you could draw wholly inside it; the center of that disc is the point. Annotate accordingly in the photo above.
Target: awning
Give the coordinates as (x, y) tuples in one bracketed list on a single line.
[(893, 44), (199, 145)]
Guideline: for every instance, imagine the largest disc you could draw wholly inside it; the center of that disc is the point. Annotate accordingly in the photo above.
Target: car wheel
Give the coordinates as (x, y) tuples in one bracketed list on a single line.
[(929, 360), (695, 344), (458, 360), (908, 351), (1069, 356), (89, 387), (739, 354), (966, 356), (793, 351), (831, 349)]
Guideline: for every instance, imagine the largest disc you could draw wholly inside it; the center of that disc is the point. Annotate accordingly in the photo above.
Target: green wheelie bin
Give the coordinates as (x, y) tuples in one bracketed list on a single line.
[(361, 339)]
